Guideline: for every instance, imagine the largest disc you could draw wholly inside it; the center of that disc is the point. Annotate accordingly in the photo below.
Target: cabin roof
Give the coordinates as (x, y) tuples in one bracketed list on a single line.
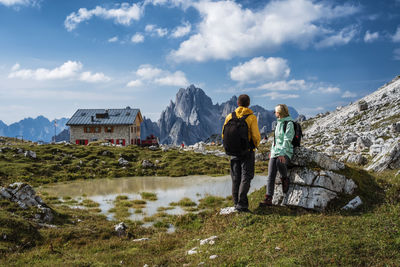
[(124, 116)]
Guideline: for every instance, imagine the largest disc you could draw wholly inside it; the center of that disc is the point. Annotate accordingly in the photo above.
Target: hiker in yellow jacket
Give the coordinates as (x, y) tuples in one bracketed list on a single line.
[(242, 167)]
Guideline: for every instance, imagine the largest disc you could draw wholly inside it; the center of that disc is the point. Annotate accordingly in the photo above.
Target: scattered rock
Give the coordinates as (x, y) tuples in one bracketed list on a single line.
[(353, 204), (30, 154), (141, 239), (357, 159), (396, 127), (362, 105), (213, 257), (228, 210), (153, 148), (147, 164), (120, 229), (363, 143), (388, 158), (210, 240), (192, 251), (24, 195), (107, 153), (123, 162)]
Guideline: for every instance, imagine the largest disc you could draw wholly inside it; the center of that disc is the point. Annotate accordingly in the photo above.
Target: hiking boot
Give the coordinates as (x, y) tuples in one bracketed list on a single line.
[(240, 210), (266, 202), (285, 184)]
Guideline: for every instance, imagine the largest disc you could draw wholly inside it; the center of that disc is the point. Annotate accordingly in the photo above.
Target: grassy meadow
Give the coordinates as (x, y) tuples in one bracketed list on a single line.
[(276, 236)]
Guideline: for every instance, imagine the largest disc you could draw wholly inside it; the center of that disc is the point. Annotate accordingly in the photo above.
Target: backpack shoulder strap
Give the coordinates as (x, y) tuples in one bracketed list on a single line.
[(285, 125), (245, 116), (234, 115)]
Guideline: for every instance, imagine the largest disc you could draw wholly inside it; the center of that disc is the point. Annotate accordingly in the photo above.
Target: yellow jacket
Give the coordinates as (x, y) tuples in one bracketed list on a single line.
[(254, 133)]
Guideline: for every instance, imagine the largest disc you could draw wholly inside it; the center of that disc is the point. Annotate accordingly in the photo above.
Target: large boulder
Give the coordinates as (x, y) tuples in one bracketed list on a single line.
[(388, 158), (314, 182), (25, 196)]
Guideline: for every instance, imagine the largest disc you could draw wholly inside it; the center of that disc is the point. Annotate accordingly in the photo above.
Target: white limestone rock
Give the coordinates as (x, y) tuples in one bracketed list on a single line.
[(120, 229), (147, 164), (25, 196), (30, 154), (389, 158), (353, 204), (123, 162)]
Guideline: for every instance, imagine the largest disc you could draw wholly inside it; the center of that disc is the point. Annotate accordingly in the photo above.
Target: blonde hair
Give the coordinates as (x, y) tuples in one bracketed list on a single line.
[(283, 110)]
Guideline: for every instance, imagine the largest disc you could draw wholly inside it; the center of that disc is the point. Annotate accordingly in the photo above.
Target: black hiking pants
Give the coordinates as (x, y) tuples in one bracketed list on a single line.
[(275, 165), (242, 171)]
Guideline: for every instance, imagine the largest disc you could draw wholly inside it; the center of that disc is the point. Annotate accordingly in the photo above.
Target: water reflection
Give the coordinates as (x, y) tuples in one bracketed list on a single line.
[(168, 189)]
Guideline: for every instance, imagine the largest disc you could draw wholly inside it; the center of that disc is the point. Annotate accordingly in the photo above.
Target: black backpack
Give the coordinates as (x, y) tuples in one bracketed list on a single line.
[(236, 136), (298, 134)]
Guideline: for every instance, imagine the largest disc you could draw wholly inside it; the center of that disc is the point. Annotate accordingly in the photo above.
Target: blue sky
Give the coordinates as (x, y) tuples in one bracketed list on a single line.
[(58, 56)]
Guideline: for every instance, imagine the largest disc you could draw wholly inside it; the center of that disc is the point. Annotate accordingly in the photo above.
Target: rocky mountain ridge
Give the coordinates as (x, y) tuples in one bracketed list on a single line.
[(366, 132), (193, 117)]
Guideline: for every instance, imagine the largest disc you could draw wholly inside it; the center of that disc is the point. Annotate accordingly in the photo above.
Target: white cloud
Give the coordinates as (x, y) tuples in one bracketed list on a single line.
[(87, 76), (276, 95), (148, 72), (68, 70), (181, 31), (341, 38), (348, 94), (327, 90), (137, 38), (370, 37), (154, 30), (113, 39), (124, 15), (292, 85), (177, 78), (15, 67), (18, 2), (260, 69), (134, 83), (227, 30), (396, 36), (152, 75)]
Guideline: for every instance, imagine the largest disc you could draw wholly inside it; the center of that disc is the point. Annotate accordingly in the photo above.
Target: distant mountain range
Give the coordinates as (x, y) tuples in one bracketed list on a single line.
[(38, 129), (190, 119)]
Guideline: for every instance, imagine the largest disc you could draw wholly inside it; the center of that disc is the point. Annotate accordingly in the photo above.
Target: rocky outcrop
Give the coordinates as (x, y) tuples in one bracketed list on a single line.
[(313, 187), (366, 129), (388, 158), (24, 195)]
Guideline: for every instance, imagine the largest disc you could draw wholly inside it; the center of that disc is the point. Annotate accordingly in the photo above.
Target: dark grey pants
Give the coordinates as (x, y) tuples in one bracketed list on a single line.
[(275, 165), (242, 171)]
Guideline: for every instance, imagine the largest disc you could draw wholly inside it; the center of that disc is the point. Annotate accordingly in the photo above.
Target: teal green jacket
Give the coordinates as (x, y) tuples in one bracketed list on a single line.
[(283, 140)]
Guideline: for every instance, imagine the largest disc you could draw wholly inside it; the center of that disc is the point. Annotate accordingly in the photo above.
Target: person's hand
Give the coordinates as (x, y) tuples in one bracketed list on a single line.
[(282, 159)]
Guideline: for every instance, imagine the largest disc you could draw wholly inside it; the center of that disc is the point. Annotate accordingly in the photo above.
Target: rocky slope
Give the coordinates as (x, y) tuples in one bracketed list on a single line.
[(366, 132)]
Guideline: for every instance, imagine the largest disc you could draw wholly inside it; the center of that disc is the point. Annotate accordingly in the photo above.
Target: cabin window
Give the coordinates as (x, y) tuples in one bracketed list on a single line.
[(97, 129), (86, 129), (108, 129)]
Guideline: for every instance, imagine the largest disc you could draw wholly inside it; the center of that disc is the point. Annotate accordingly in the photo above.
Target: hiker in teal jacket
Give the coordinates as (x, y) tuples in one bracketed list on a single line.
[(281, 153)]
